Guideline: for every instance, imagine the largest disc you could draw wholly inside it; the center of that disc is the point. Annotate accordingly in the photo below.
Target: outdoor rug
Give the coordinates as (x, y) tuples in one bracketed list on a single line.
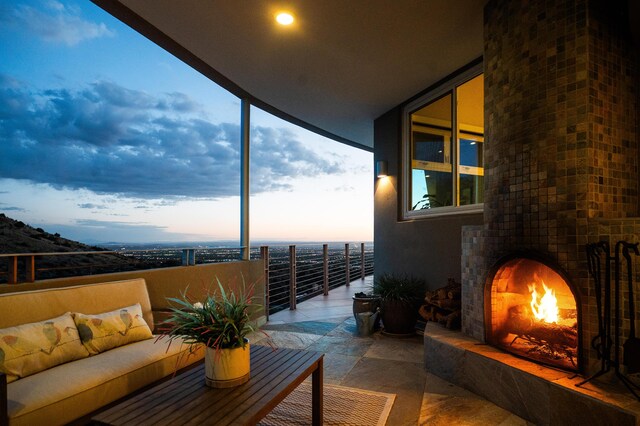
[(342, 406)]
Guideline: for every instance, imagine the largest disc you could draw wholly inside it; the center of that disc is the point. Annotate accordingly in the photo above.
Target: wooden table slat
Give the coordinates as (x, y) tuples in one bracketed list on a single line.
[(203, 398), (162, 391), (272, 386), (186, 399), (165, 396), (155, 402), (274, 396), (278, 371)]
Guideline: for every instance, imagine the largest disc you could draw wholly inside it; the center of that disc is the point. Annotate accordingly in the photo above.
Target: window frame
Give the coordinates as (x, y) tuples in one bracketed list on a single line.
[(448, 87)]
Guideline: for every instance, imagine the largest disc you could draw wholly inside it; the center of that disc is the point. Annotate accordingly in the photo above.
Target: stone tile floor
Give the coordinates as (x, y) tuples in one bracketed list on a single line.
[(378, 363)]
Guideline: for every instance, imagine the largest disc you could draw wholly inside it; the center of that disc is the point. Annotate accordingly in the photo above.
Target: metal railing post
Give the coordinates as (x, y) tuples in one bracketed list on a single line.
[(325, 269), (31, 268), (13, 270), (292, 277), (264, 254), (362, 261), (346, 263)]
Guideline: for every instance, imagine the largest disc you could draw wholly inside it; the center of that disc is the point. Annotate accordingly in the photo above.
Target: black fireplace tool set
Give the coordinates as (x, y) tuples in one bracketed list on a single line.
[(597, 255)]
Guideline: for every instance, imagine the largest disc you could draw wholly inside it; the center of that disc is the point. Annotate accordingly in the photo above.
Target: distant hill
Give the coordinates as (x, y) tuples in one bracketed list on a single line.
[(18, 237)]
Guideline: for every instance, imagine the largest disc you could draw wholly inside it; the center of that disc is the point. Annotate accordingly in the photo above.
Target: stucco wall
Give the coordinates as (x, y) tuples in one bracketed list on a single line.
[(426, 248)]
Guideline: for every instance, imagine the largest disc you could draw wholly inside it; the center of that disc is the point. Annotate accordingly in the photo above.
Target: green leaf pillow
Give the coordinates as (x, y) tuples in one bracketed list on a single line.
[(29, 348), (109, 330)]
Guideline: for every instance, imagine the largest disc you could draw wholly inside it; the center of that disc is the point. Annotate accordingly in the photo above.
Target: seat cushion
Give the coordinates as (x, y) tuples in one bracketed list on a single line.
[(37, 346), (69, 391), (109, 330)]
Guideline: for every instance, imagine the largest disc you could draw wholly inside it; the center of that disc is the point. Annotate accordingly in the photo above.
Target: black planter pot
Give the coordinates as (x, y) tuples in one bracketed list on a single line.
[(399, 317)]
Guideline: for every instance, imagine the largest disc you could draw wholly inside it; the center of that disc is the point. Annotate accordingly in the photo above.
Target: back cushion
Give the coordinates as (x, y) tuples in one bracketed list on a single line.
[(29, 348), (39, 305), (109, 330)]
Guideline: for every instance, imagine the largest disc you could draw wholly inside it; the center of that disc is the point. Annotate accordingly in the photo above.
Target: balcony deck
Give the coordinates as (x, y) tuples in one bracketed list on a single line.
[(378, 363)]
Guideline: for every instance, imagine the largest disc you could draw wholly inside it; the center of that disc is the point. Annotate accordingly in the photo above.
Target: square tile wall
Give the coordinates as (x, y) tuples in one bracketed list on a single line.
[(561, 136)]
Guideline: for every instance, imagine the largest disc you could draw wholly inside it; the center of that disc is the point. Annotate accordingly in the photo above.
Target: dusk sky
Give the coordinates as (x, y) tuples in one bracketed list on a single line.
[(106, 137)]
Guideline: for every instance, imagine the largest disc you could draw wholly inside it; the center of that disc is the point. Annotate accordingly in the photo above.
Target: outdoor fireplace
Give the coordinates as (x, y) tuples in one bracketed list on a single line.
[(560, 172), (532, 311)]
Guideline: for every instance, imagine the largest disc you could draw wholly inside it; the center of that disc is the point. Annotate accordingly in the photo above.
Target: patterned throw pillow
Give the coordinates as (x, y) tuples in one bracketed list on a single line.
[(109, 330), (29, 348)]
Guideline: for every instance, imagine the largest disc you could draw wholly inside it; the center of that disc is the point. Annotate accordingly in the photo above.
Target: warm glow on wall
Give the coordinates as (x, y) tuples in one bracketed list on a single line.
[(284, 18)]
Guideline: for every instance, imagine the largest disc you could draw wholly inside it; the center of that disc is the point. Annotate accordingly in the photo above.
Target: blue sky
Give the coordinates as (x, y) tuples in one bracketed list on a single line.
[(106, 137)]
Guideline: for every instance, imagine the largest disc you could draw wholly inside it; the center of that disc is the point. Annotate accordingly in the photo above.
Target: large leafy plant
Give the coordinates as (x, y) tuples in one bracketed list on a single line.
[(220, 321), (398, 287)]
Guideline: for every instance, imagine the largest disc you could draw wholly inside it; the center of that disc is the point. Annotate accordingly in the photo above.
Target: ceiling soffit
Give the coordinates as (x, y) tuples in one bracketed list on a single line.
[(341, 65)]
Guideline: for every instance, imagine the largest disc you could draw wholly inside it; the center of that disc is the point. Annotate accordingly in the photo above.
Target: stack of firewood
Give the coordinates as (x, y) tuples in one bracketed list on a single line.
[(443, 305)]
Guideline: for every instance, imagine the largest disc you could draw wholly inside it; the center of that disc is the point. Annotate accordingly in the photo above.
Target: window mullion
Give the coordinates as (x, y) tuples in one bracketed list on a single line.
[(456, 147)]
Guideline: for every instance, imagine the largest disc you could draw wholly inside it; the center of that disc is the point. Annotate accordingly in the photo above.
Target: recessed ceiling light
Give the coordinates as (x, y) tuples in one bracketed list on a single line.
[(284, 18)]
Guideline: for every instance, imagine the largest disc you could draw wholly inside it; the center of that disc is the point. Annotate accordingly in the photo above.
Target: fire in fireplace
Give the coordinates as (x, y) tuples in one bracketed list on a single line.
[(532, 311)]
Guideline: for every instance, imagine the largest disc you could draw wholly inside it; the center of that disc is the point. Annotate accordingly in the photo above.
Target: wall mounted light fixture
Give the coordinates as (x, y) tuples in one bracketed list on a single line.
[(381, 168)]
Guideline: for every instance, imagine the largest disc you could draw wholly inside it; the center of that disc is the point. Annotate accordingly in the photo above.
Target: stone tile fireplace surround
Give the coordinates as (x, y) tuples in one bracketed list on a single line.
[(561, 161)]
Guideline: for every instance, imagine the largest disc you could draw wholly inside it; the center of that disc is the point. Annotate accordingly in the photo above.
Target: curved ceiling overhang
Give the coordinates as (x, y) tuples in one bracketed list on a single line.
[(340, 65)]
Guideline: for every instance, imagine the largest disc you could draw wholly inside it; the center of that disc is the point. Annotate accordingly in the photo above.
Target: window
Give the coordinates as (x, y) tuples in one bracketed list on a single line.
[(442, 149)]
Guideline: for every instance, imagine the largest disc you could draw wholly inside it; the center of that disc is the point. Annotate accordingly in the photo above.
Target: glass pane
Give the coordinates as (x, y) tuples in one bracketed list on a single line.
[(428, 147), (431, 155), (431, 189), (471, 106), (471, 152), (471, 189), (470, 114)]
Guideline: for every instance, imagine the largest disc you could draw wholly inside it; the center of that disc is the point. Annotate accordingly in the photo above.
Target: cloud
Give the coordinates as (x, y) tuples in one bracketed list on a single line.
[(113, 140), (12, 209), (92, 206), (54, 22), (344, 188)]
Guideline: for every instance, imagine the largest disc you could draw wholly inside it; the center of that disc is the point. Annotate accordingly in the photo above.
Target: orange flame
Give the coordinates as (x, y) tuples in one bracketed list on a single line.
[(547, 309)]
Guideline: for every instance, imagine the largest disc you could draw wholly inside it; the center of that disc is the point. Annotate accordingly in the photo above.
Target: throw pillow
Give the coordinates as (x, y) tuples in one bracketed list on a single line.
[(29, 348), (106, 331)]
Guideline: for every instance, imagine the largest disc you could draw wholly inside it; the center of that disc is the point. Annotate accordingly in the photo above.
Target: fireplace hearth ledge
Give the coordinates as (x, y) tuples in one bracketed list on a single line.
[(539, 394)]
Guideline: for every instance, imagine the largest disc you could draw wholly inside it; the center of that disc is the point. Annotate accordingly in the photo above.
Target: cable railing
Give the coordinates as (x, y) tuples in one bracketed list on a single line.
[(293, 273), (299, 272)]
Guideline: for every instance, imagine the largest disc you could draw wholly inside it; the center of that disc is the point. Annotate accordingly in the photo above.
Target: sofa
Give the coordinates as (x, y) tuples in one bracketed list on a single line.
[(98, 363)]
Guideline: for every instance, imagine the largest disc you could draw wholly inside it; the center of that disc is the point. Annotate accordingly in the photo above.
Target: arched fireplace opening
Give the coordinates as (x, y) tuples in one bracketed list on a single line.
[(533, 311)]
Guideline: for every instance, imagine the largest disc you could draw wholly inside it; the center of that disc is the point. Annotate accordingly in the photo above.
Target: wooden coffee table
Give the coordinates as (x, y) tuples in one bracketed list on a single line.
[(185, 399)]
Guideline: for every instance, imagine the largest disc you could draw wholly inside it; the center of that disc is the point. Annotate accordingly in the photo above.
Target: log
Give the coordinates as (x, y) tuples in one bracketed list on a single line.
[(521, 323), (426, 313), (451, 320), (442, 293), (553, 334), (451, 304), (454, 321), (454, 293), (429, 296)]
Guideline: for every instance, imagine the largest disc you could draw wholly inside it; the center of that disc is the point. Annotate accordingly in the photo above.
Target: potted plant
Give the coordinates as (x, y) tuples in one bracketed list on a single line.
[(400, 297), (220, 323)]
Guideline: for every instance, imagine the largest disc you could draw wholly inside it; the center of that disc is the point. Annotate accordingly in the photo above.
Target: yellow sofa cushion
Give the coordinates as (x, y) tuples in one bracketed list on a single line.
[(30, 348), (109, 330)]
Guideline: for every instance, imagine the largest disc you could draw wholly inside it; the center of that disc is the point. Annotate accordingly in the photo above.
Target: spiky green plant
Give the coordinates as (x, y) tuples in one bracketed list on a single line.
[(220, 321), (399, 287)]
